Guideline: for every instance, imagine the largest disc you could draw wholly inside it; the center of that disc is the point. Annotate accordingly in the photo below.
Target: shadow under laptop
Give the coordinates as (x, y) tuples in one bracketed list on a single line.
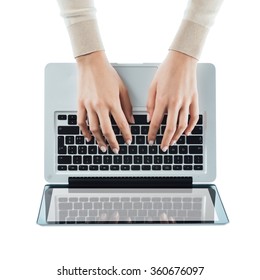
[(95, 206)]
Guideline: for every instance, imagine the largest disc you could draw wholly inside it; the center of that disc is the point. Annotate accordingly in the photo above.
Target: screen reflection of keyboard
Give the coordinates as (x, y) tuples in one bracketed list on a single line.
[(75, 153), (129, 209)]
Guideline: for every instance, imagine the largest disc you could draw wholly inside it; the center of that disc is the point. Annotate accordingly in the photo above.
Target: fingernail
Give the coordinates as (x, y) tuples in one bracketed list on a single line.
[(173, 142), (128, 142), (188, 133), (151, 142), (103, 149), (164, 149), (87, 139), (115, 151), (132, 119), (148, 118)]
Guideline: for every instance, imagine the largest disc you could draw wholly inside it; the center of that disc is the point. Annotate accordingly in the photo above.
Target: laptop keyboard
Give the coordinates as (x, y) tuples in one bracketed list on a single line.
[(129, 209), (74, 153)]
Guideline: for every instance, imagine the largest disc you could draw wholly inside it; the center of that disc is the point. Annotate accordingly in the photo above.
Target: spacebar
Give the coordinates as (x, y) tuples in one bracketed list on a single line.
[(72, 129)]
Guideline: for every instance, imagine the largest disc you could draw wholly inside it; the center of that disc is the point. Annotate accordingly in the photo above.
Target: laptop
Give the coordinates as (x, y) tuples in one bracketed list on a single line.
[(140, 185)]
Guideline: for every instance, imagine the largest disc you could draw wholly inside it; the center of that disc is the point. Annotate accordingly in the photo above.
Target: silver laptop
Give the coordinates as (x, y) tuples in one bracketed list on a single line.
[(140, 185)]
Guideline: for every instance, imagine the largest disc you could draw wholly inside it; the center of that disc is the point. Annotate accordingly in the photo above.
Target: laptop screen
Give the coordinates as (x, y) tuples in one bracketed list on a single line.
[(88, 206)]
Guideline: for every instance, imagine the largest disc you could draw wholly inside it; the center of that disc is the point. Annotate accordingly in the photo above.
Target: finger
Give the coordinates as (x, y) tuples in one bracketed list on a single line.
[(156, 121), (126, 104), (82, 121), (194, 116), (122, 124), (170, 129), (107, 131), (95, 129), (182, 124), (151, 101)]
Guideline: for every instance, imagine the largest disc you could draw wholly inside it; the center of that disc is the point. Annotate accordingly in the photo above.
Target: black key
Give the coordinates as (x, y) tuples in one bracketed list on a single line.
[(138, 160), (117, 159), (178, 159), (135, 129), (148, 159), (196, 149), (80, 139), (198, 167), (92, 149), (93, 167), (146, 167), (140, 119), (100, 152), (62, 117), (200, 121), (157, 159), (161, 152), (87, 159), (177, 167), (77, 160), (181, 140), (82, 150), (167, 159), (72, 150), (127, 159), (114, 167), (173, 149), (188, 159), (142, 150), (167, 167), (69, 140), (107, 159), (198, 159), (140, 140), (159, 139), (63, 130), (183, 149), (187, 167), (197, 130), (62, 150), (64, 159), (132, 149), (83, 167), (144, 129), (135, 167), (122, 149), (194, 140), (72, 119), (153, 149), (156, 167), (73, 167), (104, 167), (62, 167), (60, 140), (125, 167), (120, 139), (97, 159)]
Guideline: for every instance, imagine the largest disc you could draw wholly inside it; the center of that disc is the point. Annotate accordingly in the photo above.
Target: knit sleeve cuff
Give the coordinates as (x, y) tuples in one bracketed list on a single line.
[(85, 37), (190, 38)]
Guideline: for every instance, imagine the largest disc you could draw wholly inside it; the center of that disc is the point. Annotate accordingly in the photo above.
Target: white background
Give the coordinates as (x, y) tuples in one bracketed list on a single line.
[(33, 34)]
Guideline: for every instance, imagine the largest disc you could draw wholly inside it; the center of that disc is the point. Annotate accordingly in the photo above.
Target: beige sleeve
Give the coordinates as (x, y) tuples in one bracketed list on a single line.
[(80, 19), (199, 16)]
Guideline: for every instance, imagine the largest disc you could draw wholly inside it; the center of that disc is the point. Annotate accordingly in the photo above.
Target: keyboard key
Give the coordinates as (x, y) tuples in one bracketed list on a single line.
[(198, 159), (148, 159), (188, 159), (181, 140), (187, 167), (63, 130), (200, 121), (104, 167), (140, 119), (69, 140), (122, 149), (80, 139), (120, 139), (196, 149), (62, 150), (198, 129), (177, 167), (183, 149), (72, 119), (139, 140), (194, 140), (125, 167), (167, 167), (127, 159), (138, 160), (167, 159), (198, 167), (87, 159), (83, 167), (153, 149), (64, 159), (97, 159), (93, 167), (132, 149), (92, 149), (135, 167), (116, 129), (142, 150), (135, 129), (178, 159), (146, 167), (157, 159), (117, 159), (62, 117), (144, 129), (173, 149), (82, 150), (72, 150), (114, 167), (73, 167), (156, 167), (107, 159), (77, 159), (62, 167)]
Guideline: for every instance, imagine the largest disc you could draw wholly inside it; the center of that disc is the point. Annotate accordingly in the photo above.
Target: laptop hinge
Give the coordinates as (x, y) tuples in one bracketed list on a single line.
[(131, 182)]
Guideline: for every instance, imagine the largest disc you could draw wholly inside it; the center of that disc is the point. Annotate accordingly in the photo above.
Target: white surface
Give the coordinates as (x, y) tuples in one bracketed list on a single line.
[(32, 34)]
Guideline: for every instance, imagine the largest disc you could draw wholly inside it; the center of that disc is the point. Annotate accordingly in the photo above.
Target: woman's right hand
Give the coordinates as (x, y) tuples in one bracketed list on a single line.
[(101, 94)]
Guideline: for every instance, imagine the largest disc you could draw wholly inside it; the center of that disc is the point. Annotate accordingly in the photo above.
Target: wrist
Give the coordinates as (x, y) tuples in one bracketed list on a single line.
[(182, 57), (91, 59)]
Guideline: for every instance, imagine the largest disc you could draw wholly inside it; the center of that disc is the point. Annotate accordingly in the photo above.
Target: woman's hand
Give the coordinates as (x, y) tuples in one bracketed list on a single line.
[(101, 93), (173, 91)]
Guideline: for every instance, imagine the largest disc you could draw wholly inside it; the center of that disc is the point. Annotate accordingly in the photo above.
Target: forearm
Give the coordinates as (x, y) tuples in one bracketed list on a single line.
[(198, 18), (80, 19)]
